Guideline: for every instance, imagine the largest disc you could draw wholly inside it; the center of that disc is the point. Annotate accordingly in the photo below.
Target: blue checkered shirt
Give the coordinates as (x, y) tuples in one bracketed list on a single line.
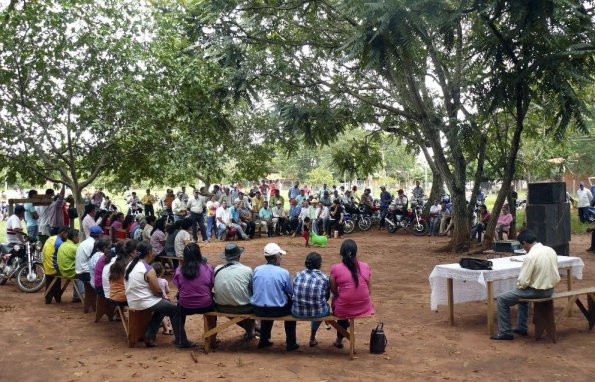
[(310, 288)]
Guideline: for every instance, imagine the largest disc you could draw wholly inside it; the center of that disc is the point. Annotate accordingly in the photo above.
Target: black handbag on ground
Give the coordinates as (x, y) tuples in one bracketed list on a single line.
[(475, 264), (378, 340)]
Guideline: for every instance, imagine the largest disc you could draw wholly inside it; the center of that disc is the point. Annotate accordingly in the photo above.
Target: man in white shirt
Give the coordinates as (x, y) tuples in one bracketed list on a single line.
[(89, 219), (178, 207), (85, 251), (584, 198), (322, 217), (538, 278), (223, 216), (196, 205), (435, 218), (279, 218), (14, 226)]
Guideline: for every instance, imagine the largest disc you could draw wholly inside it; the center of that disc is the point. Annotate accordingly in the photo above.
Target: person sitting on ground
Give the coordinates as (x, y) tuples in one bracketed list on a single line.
[(503, 224), (117, 290), (194, 280), (272, 296), (164, 285), (66, 259), (233, 287), (143, 292), (311, 290), (434, 218), (484, 218), (538, 278), (351, 284), (101, 252)]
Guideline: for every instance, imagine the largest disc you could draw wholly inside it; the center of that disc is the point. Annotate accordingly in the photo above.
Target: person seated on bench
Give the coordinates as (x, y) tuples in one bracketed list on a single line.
[(271, 287), (49, 250), (503, 224), (117, 271), (101, 249), (311, 290), (84, 253), (158, 237), (110, 259), (66, 259), (351, 284), (539, 275), (233, 287), (143, 292), (194, 280), (484, 219)]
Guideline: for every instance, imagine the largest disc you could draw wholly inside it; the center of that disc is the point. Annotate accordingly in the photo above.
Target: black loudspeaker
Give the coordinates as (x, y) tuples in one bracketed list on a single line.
[(546, 193), (551, 224)]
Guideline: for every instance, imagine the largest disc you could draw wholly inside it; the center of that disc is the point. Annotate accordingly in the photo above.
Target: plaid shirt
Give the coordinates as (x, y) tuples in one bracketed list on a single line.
[(310, 289)]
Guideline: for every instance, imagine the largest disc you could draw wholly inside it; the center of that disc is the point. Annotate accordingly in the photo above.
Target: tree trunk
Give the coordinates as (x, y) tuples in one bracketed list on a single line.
[(436, 192), (80, 209)]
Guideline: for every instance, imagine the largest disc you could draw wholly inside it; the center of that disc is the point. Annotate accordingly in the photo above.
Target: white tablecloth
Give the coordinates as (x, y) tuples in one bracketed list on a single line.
[(471, 285)]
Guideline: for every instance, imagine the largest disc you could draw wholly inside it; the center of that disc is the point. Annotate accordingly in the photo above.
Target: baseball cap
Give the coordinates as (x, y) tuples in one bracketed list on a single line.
[(95, 230), (272, 249)]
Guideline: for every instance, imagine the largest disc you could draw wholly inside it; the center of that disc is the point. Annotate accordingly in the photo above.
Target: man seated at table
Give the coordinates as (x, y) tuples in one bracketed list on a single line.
[(233, 287), (539, 275), (272, 296)]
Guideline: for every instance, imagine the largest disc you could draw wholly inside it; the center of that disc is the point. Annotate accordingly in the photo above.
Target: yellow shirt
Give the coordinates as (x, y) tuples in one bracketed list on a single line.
[(540, 268), (148, 199), (257, 204), (47, 253)]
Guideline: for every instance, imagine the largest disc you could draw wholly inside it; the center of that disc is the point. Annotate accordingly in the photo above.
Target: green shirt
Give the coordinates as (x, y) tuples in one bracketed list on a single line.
[(66, 259), (274, 199)]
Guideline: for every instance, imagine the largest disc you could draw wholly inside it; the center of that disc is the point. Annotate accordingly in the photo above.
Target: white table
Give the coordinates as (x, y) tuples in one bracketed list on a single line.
[(452, 284)]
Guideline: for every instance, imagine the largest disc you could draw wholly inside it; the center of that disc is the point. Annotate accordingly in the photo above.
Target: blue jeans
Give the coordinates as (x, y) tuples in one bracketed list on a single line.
[(32, 230), (510, 298), (434, 225), (211, 226), (198, 222), (314, 325)]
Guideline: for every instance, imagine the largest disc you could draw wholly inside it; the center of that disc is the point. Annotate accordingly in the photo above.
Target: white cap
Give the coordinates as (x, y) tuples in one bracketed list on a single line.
[(272, 249)]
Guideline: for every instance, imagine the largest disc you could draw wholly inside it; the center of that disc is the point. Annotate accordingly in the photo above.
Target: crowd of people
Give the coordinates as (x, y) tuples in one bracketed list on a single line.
[(127, 274)]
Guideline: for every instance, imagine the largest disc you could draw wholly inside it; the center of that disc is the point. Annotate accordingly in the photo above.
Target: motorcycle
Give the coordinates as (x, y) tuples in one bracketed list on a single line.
[(22, 262), (411, 221), (348, 222)]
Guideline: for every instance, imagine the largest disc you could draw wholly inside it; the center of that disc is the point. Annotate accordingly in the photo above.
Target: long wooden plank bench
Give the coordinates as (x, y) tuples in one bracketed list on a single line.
[(235, 318), (543, 310), (64, 286)]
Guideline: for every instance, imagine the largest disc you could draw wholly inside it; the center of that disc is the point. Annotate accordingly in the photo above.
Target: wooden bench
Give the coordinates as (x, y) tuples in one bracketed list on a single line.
[(104, 308), (235, 318), (65, 285), (90, 300), (136, 324), (543, 310)]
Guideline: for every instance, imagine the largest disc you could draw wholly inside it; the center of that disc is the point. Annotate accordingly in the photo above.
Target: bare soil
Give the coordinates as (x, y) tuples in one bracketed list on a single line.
[(45, 342)]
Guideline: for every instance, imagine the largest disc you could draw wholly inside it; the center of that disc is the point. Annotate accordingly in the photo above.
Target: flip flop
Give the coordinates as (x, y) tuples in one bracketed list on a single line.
[(313, 343)]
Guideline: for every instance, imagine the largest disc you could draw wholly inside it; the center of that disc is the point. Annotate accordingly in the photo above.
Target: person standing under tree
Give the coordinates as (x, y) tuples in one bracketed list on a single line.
[(584, 197), (147, 201)]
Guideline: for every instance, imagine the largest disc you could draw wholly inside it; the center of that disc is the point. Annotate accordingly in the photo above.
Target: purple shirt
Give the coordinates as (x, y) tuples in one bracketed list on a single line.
[(195, 293), (98, 272)]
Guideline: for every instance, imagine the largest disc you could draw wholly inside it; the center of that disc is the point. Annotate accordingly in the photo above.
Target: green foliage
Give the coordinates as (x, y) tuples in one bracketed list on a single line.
[(320, 175)]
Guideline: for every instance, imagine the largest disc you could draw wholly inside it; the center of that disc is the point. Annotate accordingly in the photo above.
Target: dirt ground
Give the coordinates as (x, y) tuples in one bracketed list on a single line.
[(44, 342)]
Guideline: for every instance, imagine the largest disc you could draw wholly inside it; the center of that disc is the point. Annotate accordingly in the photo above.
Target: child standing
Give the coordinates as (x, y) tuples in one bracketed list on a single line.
[(307, 225), (164, 285)]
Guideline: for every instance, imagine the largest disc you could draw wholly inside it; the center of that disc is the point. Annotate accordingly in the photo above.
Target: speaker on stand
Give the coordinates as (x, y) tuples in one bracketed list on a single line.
[(548, 215)]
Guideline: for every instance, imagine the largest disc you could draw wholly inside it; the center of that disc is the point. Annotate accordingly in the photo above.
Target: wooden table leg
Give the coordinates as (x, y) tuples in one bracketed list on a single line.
[(207, 327), (490, 308), (451, 310), (569, 285)]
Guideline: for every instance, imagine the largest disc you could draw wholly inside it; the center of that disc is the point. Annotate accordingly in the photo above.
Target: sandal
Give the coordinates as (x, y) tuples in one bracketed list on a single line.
[(313, 343)]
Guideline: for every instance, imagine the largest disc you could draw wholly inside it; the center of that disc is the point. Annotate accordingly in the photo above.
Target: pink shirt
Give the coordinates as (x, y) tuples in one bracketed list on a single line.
[(504, 219), (352, 301)]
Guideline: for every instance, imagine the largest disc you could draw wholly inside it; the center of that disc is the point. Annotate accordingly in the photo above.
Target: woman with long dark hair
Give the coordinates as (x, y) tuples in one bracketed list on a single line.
[(101, 250), (143, 292), (351, 284), (117, 292), (158, 237), (194, 280)]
